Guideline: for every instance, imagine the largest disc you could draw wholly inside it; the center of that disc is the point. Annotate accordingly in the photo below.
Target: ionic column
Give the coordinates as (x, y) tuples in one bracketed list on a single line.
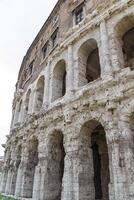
[(20, 117), (47, 87), (16, 114), (116, 53), (34, 100), (106, 66), (70, 70)]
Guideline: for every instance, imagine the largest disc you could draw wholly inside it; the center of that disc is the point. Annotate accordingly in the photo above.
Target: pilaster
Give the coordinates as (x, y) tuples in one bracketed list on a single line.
[(47, 87), (106, 67), (70, 70)]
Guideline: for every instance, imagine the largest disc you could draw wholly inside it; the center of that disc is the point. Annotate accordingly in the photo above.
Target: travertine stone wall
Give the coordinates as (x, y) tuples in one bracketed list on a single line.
[(72, 131)]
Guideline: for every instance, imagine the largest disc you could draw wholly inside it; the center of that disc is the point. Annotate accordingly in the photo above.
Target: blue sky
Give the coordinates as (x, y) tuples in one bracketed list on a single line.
[(20, 22)]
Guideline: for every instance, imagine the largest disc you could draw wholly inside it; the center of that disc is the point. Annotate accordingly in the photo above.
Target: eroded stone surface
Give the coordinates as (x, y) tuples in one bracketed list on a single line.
[(71, 134)]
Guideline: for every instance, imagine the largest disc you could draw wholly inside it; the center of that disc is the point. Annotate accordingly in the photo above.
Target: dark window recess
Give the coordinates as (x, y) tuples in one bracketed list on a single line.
[(79, 15), (45, 50), (54, 38), (64, 84), (97, 171), (31, 67)]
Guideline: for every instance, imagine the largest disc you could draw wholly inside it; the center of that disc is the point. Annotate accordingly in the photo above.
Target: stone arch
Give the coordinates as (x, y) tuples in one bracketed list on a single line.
[(59, 80), (88, 62), (32, 162), (56, 165), (94, 160), (39, 93), (125, 35)]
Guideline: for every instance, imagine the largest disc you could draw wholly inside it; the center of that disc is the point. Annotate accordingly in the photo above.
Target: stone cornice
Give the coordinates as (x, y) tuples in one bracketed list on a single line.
[(95, 95)]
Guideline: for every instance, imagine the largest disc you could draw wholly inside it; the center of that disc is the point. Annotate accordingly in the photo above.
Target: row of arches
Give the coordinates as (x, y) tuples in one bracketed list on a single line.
[(93, 160), (89, 68)]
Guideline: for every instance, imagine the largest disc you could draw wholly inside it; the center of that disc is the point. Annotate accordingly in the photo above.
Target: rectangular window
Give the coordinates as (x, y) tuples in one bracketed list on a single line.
[(54, 38), (45, 49), (79, 15)]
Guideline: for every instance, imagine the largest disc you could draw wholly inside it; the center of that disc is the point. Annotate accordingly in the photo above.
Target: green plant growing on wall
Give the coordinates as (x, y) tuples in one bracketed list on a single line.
[(6, 198)]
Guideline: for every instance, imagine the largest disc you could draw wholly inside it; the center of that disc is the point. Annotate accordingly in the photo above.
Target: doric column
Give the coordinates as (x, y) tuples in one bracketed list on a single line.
[(19, 181), (13, 181), (70, 70), (47, 181), (6, 167), (27, 175), (47, 87), (3, 180), (78, 172), (37, 182), (106, 66), (9, 181)]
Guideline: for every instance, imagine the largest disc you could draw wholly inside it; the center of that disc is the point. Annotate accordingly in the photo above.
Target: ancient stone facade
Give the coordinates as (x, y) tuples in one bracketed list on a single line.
[(72, 131)]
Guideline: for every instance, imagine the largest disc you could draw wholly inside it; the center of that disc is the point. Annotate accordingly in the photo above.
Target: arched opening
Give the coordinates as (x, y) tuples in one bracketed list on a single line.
[(57, 161), (88, 62), (14, 174), (100, 163), (39, 93), (96, 161), (27, 102), (125, 35), (59, 80), (32, 162)]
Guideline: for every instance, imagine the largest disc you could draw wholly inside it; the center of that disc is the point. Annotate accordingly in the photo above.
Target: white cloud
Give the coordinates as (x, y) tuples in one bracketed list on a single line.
[(20, 21)]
